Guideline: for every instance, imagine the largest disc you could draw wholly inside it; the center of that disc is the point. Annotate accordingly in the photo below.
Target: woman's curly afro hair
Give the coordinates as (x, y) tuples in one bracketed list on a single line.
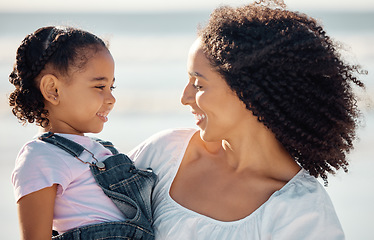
[(61, 48), (288, 72)]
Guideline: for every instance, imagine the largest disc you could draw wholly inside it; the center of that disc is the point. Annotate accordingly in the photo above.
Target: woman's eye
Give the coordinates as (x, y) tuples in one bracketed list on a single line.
[(100, 87), (112, 88), (197, 87)]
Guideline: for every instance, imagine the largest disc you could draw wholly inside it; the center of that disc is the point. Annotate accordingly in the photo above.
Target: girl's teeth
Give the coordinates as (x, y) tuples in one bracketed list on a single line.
[(103, 116)]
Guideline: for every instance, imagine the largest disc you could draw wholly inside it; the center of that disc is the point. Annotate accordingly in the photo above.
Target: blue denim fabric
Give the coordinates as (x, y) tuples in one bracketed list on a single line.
[(128, 187), (107, 231)]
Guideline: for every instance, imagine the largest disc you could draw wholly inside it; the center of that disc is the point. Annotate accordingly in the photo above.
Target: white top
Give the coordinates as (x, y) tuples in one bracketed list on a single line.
[(79, 201), (302, 209)]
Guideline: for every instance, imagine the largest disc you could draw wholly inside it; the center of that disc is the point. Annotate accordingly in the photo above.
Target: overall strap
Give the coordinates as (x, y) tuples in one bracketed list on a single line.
[(69, 146), (72, 147)]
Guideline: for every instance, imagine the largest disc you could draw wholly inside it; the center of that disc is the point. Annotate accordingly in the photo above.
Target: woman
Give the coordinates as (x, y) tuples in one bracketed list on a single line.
[(275, 110)]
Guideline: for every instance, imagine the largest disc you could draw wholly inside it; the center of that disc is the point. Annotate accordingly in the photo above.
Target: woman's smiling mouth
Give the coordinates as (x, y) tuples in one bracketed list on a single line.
[(199, 117)]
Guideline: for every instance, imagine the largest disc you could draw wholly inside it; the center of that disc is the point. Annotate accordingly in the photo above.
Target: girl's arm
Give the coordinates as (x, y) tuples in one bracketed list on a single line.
[(35, 212)]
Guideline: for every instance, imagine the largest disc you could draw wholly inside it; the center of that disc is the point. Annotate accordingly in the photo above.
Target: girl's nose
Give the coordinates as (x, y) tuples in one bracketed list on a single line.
[(110, 99), (188, 95)]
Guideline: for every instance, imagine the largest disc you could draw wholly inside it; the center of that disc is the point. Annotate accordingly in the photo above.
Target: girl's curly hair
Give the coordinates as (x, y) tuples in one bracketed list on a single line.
[(59, 47), (288, 72)]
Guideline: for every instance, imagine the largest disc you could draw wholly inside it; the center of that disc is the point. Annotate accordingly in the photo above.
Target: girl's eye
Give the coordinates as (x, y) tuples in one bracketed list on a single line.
[(103, 87)]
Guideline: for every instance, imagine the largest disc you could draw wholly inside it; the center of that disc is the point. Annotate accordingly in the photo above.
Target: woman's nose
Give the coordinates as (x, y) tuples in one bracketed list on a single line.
[(188, 95)]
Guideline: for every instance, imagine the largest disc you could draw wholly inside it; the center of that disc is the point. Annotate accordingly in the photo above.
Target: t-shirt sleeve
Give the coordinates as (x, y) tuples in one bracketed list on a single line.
[(37, 167)]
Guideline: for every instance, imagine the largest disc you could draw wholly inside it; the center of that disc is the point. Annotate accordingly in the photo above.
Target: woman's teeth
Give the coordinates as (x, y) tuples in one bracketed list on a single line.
[(200, 116)]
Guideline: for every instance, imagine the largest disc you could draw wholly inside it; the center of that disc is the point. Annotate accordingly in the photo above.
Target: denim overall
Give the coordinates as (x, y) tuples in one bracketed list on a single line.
[(128, 187)]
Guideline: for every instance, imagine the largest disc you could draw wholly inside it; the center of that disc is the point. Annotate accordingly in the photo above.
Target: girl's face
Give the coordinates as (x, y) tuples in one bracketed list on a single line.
[(218, 111), (85, 97)]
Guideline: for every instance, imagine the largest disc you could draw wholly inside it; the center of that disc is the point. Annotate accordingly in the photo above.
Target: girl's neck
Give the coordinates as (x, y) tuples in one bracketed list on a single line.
[(50, 129)]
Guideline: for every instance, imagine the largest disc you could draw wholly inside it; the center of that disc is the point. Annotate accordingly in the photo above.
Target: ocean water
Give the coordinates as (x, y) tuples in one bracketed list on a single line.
[(150, 52)]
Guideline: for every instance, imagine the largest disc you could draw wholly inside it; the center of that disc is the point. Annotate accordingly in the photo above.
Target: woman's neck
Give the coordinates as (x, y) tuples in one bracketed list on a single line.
[(257, 150)]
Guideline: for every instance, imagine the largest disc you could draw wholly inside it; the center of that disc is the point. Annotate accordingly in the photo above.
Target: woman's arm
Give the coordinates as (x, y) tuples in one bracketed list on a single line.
[(35, 212)]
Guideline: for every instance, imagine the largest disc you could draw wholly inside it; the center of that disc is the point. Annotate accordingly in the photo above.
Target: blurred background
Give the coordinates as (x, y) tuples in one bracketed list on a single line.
[(149, 41)]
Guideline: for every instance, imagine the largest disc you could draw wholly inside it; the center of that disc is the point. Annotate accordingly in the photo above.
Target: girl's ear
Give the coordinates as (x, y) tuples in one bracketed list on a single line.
[(49, 88)]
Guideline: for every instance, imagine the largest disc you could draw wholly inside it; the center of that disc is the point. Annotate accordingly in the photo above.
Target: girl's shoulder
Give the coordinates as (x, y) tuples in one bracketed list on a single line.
[(39, 165), (37, 154), (35, 148)]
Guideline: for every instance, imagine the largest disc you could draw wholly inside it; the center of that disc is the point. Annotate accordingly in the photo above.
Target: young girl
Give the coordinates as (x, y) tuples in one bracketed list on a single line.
[(77, 186)]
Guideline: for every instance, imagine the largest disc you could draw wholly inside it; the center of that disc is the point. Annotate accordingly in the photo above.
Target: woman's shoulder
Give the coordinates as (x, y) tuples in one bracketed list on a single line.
[(165, 138), (175, 134), (303, 187), (162, 146), (302, 195), (303, 199)]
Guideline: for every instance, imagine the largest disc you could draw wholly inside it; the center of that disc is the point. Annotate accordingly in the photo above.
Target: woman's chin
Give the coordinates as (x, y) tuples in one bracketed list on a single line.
[(206, 137)]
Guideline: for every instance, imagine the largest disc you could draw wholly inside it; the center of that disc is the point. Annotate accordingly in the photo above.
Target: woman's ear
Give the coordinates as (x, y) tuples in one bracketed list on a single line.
[(49, 88)]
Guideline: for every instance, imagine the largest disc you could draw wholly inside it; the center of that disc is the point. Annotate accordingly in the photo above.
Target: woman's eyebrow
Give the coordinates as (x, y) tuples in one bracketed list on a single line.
[(196, 74)]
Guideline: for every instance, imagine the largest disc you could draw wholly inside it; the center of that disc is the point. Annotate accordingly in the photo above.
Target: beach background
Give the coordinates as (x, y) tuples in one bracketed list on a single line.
[(150, 46)]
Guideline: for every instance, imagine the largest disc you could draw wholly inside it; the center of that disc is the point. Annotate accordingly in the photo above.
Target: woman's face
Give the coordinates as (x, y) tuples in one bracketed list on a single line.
[(218, 111)]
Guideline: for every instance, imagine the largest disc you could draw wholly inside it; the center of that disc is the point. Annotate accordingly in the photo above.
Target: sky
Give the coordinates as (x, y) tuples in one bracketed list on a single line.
[(166, 5)]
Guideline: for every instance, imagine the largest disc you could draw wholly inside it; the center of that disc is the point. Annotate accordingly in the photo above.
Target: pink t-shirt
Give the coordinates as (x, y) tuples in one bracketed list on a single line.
[(79, 200)]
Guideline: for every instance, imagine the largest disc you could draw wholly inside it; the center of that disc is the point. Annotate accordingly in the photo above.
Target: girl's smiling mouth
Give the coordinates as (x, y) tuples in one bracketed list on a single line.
[(103, 116)]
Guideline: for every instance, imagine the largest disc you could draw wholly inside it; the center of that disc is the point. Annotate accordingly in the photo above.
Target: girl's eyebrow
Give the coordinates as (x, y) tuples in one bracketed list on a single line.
[(196, 74), (102, 79)]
